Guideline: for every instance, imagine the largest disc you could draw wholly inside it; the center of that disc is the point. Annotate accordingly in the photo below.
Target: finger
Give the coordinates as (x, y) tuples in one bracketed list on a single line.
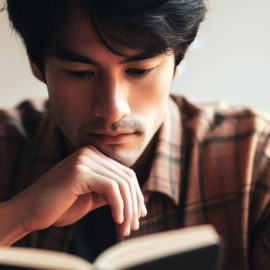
[(127, 192), (142, 212), (111, 192), (140, 198), (129, 175), (124, 228), (126, 186)]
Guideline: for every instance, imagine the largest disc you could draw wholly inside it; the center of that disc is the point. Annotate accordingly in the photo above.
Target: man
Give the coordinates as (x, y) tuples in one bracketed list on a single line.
[(112, 155)]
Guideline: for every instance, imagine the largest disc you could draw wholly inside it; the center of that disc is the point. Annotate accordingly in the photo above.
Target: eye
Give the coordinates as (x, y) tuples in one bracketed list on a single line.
[(138, 72), (80, 74)]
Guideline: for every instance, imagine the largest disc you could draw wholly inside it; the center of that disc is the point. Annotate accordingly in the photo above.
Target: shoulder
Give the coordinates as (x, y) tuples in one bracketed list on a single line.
[(19, 129), (22, 121), (232, 143), (221, 120)]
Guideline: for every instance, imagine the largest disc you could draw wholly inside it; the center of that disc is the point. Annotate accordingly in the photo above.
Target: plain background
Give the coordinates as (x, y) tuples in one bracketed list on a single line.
[(229, 61)]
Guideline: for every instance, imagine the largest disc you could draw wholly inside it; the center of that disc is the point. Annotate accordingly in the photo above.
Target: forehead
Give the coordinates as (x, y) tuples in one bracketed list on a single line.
[(76, 30), (77, 33)]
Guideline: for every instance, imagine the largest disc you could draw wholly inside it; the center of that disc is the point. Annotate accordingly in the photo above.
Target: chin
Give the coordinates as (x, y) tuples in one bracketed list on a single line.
[(126, 157)]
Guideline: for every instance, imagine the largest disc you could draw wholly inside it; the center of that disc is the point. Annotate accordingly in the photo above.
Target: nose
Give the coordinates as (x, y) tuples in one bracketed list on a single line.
[(111, 102)]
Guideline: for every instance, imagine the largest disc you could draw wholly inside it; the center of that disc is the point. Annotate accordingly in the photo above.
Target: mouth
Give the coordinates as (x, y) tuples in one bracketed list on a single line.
[(110, 138)]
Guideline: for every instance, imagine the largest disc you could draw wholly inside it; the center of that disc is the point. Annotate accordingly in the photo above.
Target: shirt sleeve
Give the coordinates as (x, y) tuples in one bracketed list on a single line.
[(260, 207)]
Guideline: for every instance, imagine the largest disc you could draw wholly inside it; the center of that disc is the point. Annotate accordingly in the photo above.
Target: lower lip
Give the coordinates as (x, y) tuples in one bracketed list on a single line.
[(104, 139)]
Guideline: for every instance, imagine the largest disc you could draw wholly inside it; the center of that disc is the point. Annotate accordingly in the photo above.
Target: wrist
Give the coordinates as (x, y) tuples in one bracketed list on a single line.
[(11, 228)]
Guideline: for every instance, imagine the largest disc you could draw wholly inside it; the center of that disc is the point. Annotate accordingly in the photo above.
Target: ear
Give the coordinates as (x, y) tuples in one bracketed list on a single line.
[(37, 72), (180, 67), (178, 70)]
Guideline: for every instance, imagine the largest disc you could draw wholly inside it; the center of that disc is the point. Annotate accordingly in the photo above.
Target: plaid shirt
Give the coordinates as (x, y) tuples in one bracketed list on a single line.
[(212, 165)]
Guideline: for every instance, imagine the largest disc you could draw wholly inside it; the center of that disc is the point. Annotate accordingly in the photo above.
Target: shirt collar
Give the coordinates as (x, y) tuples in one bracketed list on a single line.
[(165, 174)]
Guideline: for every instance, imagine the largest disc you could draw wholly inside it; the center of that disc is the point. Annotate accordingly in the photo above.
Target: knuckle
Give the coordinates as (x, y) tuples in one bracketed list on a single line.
[(125, 186), (79, 168), (85, 151), (80, 159), (81, 151), (130, 172), (90, 149), (112, 186)]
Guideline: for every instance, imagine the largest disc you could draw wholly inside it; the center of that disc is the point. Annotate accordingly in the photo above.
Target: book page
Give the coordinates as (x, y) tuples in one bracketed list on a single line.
[(147, 248), (31, 258)]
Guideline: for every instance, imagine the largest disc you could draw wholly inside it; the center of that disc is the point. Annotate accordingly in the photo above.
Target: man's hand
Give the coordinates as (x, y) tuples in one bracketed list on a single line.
[(82, 182)]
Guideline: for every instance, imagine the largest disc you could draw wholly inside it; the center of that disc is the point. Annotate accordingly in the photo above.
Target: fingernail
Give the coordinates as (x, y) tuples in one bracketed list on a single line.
[(119, 219), (127, 233), (136, 225), (144, 211)]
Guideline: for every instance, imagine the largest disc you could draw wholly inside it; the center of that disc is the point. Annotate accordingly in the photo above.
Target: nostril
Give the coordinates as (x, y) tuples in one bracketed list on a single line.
[(96, 111)]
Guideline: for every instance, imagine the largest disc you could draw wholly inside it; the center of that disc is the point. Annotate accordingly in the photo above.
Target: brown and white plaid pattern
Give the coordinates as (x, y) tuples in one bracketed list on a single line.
[(212, 165)]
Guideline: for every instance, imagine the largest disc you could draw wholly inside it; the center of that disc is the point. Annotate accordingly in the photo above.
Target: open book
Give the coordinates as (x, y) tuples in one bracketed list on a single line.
[(190, 248)]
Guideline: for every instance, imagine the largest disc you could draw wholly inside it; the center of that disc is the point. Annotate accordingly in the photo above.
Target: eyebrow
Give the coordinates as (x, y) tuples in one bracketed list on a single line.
[(65, 54)]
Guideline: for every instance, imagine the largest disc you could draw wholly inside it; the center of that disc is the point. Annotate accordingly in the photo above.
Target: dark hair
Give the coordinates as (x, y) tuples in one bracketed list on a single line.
[(152, 26)]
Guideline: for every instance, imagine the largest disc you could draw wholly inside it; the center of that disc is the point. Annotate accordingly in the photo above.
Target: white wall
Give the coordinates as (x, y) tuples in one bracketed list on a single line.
[(16, 79), (232, 61)]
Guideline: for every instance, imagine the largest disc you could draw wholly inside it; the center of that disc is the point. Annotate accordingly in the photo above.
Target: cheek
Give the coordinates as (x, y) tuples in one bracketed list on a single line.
[(69, 105), (69, 99), (149, 102), (150, 96)]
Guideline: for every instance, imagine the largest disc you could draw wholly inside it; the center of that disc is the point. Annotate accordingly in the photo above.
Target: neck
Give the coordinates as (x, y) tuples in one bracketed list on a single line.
[(143, 165)]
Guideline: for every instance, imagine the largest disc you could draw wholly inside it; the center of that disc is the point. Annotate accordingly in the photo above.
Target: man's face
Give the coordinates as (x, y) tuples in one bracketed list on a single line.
[(98, 98)]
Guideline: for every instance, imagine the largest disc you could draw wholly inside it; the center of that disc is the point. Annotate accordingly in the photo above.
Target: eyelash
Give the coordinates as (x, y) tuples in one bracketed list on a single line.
[(134, 72), (138, 72), (80, 74)]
